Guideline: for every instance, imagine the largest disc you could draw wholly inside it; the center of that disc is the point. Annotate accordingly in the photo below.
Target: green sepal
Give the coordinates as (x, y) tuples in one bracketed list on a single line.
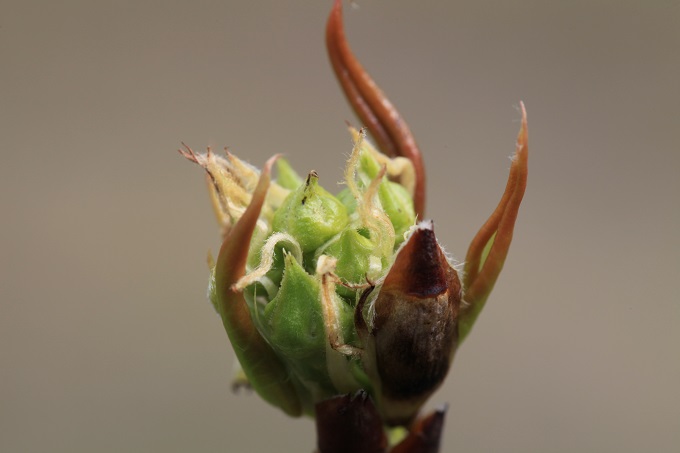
[(347, 199), (466, 322), (287, 177), (295, 325)]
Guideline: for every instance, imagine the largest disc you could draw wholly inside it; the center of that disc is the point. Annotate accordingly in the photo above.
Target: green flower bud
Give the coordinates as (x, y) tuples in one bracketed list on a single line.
[(306, 279), (394, 197), (318, 296), (396, 202), (356, 255), (398, 206), (324, 295), (311, 214)]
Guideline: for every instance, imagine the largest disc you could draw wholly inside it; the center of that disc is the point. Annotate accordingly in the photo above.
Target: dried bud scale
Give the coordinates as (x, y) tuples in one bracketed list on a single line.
[(415, 325)]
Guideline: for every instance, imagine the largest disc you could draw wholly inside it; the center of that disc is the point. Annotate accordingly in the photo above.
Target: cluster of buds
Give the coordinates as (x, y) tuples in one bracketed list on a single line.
[(325, 295)]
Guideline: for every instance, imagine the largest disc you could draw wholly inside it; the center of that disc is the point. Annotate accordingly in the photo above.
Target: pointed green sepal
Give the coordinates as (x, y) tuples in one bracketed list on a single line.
[(287, 176), (295, 324)]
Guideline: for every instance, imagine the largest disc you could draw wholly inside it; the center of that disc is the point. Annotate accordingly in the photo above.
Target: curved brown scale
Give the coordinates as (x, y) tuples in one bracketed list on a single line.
[(371, 106), (480, 277), (260, 363)]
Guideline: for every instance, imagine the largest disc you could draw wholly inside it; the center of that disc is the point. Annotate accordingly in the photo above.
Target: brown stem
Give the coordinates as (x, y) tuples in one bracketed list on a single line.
[(425, 435), (351, 423)]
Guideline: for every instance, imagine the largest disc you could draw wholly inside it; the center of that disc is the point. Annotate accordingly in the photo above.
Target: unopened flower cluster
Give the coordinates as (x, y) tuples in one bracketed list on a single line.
[(316, 264)]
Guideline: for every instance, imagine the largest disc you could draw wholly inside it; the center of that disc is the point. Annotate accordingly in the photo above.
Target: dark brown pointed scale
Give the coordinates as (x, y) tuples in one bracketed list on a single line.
[(420, 269), (415, 326)]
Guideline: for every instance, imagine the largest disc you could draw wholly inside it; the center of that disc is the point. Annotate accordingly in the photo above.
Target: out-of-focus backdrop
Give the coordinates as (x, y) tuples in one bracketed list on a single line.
[(107, 341)]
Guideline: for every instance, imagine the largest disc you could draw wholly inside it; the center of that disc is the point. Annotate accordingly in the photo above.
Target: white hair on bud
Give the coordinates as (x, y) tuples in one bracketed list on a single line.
[(267, 259)]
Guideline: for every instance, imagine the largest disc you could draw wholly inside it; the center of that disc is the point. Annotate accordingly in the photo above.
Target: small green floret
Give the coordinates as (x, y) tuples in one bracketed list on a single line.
[(398, 206), (355, 254), (311, 215)]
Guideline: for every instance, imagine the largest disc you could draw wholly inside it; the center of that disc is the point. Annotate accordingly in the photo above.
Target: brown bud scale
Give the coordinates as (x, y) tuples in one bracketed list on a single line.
[(415, 326)]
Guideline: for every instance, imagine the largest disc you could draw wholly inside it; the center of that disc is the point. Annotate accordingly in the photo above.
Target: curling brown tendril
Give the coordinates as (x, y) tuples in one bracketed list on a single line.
[(376, 112)]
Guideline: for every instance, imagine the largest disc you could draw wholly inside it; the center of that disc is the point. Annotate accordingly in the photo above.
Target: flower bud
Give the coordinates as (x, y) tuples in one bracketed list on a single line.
[(398, 206), (310, 214), (323, 295), (355, 259), (395, 198)]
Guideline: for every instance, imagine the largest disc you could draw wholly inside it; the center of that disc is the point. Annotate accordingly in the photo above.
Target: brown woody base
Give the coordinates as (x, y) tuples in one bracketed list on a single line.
[(351, 423)]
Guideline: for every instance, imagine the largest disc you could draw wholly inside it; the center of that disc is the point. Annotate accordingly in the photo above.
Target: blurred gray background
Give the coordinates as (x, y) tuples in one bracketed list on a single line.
[(107, 341)]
